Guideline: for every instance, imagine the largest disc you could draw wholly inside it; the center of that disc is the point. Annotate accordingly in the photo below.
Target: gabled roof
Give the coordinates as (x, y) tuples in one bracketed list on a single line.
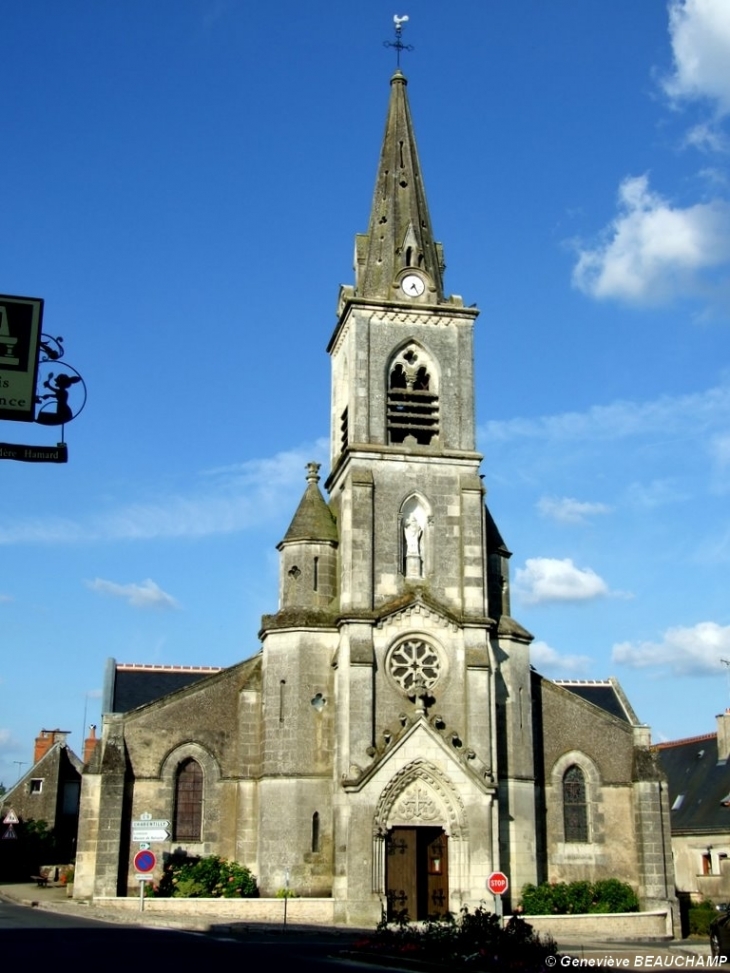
[(699, 785), (606, 694), (467, 760), (41, 767)]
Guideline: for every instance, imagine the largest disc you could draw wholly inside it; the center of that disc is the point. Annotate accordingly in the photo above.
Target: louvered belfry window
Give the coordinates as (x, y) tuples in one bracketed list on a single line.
[(575, 805), (188, 801), (413, 405)]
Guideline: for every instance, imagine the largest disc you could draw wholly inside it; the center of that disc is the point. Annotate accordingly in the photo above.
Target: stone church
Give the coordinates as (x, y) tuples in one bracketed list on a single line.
[(390, 745)]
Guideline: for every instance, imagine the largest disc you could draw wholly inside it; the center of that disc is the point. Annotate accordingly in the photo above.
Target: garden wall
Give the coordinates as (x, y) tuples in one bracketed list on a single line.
[(601, 926), (318, 912)]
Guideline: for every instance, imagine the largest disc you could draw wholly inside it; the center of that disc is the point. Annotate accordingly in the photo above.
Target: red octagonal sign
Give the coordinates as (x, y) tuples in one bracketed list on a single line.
[(497, 883)]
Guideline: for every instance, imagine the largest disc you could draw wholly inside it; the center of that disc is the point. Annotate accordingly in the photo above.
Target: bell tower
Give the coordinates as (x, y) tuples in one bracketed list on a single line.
[(426, 645), (405, 471)]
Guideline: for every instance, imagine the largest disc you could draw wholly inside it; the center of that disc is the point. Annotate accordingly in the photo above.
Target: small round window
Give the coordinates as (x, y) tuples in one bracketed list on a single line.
[(414, 659)]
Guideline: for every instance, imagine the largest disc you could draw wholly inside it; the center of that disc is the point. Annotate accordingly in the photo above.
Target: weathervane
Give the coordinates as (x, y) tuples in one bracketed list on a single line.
[(398, 42)]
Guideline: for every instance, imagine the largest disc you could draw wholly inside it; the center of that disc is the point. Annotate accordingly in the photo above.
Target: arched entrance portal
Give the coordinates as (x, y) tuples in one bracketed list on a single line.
[(417, 872), (420, 851)]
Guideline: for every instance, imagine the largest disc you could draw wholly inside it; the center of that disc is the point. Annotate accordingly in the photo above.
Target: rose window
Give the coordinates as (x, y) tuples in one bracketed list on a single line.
[(414, 659)]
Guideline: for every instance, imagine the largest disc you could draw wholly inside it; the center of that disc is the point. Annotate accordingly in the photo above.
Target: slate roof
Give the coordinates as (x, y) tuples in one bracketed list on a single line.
[(128, 685), (606, 694), (495, 541), (313, 520), (701, 781)]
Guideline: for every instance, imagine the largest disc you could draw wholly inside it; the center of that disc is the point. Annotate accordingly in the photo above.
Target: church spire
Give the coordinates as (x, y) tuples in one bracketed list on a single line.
[(399, 237)]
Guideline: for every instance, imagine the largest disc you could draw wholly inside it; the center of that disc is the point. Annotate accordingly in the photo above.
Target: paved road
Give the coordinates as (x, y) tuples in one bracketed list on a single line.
[(83, 945), (112, 941)]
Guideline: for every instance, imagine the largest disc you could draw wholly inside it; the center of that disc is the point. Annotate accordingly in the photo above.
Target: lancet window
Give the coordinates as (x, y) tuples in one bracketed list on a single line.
[(575, 805), (188, 801)]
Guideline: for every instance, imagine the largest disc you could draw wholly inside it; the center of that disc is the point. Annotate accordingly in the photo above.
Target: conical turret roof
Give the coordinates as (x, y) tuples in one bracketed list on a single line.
[(313, 520)]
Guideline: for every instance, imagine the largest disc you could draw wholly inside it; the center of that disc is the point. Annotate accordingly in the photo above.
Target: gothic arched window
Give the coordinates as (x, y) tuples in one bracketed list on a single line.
[(413, 402), (188, 801), (575, 805)]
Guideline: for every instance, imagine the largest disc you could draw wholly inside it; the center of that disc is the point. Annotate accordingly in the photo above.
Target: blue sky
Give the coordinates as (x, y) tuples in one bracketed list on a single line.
[(182, 181)]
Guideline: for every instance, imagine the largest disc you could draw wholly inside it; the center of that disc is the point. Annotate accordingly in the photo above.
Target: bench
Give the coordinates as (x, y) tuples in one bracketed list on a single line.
[(40, 880)]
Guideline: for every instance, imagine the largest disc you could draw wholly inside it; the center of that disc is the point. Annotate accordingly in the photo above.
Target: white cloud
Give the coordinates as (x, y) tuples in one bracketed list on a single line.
[(231, 499), (145, 595), (694, 651), (547, 659), (700, 36), (720, 449), (550, 579), (652, 252), (668, 417), (566, 510), (6, 737), (655, 493), (708, 137)]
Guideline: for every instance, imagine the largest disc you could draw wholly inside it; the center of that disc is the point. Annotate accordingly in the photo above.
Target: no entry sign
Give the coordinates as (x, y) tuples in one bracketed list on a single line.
[(497, 883)]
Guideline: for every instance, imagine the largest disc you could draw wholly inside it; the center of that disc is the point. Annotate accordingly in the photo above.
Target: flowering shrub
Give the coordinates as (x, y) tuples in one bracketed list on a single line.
[(210, 877), (561, 898), (474, 941)]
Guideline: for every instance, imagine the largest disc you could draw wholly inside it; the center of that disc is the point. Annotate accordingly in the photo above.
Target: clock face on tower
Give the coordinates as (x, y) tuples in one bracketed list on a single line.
[(412, 285)]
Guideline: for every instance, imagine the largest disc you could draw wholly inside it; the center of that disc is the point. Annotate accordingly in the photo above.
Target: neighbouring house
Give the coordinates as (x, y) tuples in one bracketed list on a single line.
[(698, 775), (390, 744), (48, 792)]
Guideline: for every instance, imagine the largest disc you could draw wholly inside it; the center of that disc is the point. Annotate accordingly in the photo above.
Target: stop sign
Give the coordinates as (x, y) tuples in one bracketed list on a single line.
[(497, 883)]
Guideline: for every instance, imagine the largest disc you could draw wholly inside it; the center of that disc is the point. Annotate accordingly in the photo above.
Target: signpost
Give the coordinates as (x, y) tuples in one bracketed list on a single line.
[(144, 863), (498, 884), (29, 358)]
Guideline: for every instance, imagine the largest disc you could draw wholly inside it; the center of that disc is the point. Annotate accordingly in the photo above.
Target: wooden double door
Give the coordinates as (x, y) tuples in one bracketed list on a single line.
[(416, 872)]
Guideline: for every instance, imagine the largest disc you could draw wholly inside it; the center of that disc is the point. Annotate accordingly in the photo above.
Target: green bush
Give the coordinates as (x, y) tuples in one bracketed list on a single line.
[(700, 917), (212, 877), (561, 898), (611, 895)]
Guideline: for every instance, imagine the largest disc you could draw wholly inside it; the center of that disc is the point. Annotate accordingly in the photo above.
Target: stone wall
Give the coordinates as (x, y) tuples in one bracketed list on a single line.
[(605, 926)]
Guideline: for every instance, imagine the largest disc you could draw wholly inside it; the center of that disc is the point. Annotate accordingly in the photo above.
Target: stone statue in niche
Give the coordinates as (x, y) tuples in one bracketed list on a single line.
[(413, 535)]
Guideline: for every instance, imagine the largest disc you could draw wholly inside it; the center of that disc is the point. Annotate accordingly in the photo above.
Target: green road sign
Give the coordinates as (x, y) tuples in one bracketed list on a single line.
[(20, 334)]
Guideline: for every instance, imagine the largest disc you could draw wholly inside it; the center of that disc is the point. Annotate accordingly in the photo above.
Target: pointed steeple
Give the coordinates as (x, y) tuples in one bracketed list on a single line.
[(399, 236)]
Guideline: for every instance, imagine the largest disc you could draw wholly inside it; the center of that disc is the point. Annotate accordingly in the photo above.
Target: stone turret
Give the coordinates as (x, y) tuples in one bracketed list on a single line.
[(308, 562)]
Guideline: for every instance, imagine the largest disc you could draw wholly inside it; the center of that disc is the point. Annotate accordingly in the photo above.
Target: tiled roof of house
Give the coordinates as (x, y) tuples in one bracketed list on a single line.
[(699, 784)]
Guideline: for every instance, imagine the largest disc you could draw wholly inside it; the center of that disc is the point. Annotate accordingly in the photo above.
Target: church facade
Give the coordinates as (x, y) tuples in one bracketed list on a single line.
[(390, 746)]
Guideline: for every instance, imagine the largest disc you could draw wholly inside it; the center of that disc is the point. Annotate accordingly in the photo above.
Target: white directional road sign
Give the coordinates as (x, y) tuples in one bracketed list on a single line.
[(149, 835), (148, 829)]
